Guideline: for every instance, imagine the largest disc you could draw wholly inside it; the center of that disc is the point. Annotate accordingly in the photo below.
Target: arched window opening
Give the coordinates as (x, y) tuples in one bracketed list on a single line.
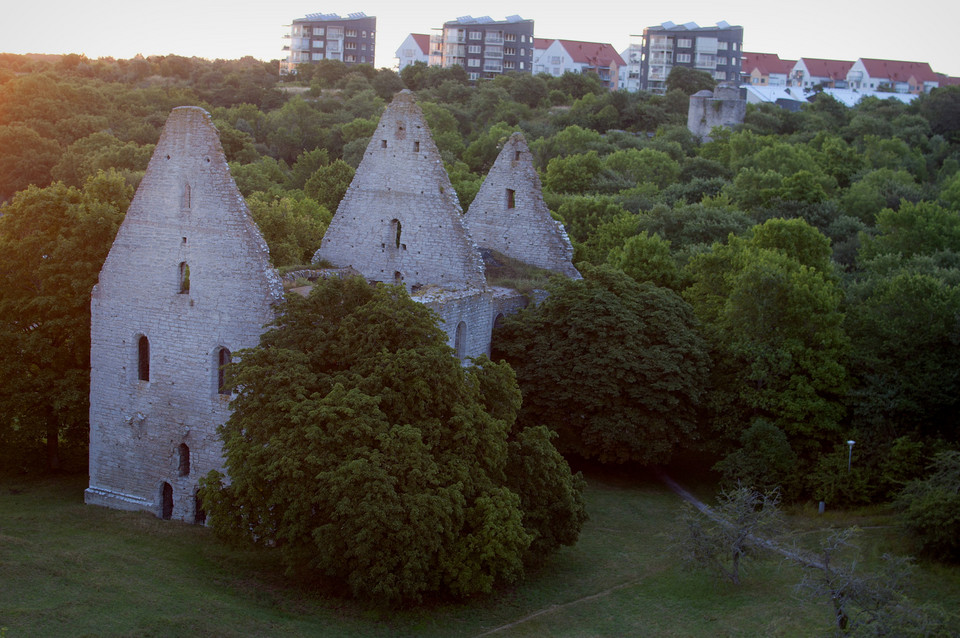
[(460, 340), (166, 501), (223, 358), (396, 228), (184, 278), (498, 321), (143, 358), (184, 465), (185, 200), (397, 277)]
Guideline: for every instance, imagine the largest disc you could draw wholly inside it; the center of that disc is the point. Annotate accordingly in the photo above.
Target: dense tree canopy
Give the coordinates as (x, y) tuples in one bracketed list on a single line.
[(617, 367), (362, 449)]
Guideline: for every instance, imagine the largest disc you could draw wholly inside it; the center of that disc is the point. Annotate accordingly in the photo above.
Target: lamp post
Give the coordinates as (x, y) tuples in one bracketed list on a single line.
[(850, 455)]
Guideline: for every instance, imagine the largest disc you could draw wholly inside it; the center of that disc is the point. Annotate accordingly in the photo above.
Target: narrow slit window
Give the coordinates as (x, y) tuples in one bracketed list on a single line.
[(223, 359), (184, 465), (143, 358), (185, 201), (383, 143), (416, 147), (511, 198), (184, 278), (516, 156), (396, 229)]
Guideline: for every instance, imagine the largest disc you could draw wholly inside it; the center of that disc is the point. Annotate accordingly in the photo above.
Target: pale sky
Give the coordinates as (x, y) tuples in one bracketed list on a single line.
[(917, 30)]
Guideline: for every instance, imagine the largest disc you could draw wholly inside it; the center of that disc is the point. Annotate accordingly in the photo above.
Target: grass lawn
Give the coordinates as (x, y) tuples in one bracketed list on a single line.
[(67, 569)]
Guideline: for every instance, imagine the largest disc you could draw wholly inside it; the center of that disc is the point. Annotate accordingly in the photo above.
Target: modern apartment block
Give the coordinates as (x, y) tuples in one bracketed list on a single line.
[(715, 50), (327, 36), (484, 47)]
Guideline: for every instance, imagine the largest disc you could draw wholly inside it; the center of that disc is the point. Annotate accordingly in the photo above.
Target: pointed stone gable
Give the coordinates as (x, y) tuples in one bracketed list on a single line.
[(508, 214), (400, 220), (186, 283)]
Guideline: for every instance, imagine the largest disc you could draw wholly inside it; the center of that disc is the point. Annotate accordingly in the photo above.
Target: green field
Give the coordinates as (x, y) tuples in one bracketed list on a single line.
[(67, 569)]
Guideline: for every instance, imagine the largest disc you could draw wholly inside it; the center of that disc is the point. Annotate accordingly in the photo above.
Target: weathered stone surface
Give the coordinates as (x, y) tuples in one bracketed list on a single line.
[(187, 211), (508, 214), (725, 107), (400, 220)]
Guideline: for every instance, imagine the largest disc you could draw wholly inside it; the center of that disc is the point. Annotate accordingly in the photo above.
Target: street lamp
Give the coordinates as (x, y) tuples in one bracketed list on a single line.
[(850, 455)]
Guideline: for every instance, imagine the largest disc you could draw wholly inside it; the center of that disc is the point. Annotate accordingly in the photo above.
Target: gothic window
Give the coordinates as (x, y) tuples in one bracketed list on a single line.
[(223, 358), (184, 465), (184, 278), (143, 358)]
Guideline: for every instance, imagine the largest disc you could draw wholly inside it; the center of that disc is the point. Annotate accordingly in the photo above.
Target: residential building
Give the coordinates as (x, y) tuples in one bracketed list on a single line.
[(765, 69), (808, 73), (484, 47), (630, 72), (416, 48), (327, 36), (892, 75), (716, 50), (573, 56)]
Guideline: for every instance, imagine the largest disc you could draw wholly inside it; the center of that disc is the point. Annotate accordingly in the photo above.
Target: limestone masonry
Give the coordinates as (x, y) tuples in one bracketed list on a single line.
[(188, 281), (508, 214)]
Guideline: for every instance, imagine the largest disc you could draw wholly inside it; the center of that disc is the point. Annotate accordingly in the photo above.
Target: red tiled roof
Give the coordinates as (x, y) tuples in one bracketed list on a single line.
[(766, 63), (946, 80), (423, 41), (833, 69), (899, 71), (595, 53), (542, 43)]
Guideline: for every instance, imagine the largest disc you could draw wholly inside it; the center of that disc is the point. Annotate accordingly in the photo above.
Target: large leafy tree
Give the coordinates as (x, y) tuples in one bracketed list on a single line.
[(362, 449), (771, 310), (53, 241), (617, 367)]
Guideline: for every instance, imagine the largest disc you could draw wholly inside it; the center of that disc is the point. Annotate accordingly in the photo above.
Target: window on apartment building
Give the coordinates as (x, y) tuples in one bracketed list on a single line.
[(351, 33), (317, 44), (523, 51), (363, 34), (476, 35), (554, 59), (684, 43), (510, 37), (350, 46), (523, 38), (474, 48), (719, 75), (316, 56), (721, 61), (733, 46), (350, 58), (509, 64), (363, 59), (473, 62), (683, 57), (363, 47), (509, 51), (722, 46), (335, 32), (521, 66), (473, 76)]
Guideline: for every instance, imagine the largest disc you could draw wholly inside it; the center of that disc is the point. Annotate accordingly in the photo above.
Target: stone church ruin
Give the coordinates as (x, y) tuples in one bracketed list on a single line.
[(188, 281)]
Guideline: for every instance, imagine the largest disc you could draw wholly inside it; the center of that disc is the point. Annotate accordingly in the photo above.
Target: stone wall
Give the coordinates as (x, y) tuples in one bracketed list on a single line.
[(725, 107), (400, 220), (188, 271), (508, 214)]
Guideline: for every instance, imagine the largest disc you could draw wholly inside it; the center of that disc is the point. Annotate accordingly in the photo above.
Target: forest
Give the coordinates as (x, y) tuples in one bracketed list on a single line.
[(801, 273)]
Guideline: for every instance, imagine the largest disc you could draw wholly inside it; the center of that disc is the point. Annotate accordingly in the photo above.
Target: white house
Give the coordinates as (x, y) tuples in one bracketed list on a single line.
[(416, 48)]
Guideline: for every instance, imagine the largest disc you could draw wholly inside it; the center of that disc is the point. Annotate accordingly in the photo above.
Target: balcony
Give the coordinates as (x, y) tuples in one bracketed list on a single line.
[(492, 67), (495, 53), (493, 38), (455, 50)]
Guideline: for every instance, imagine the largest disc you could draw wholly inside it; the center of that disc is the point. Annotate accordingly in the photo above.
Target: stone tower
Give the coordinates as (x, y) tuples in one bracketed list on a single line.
[(187, 282), (400, 220), (508, 214), (726, 107)]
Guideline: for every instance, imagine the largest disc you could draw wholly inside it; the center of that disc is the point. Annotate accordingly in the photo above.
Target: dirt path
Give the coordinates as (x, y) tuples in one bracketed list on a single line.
[(553, 608)]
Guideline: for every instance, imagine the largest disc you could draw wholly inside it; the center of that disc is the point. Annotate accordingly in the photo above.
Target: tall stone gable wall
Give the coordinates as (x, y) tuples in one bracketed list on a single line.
[(187, 210), (400, 220), (726, 107), (508, 214)]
